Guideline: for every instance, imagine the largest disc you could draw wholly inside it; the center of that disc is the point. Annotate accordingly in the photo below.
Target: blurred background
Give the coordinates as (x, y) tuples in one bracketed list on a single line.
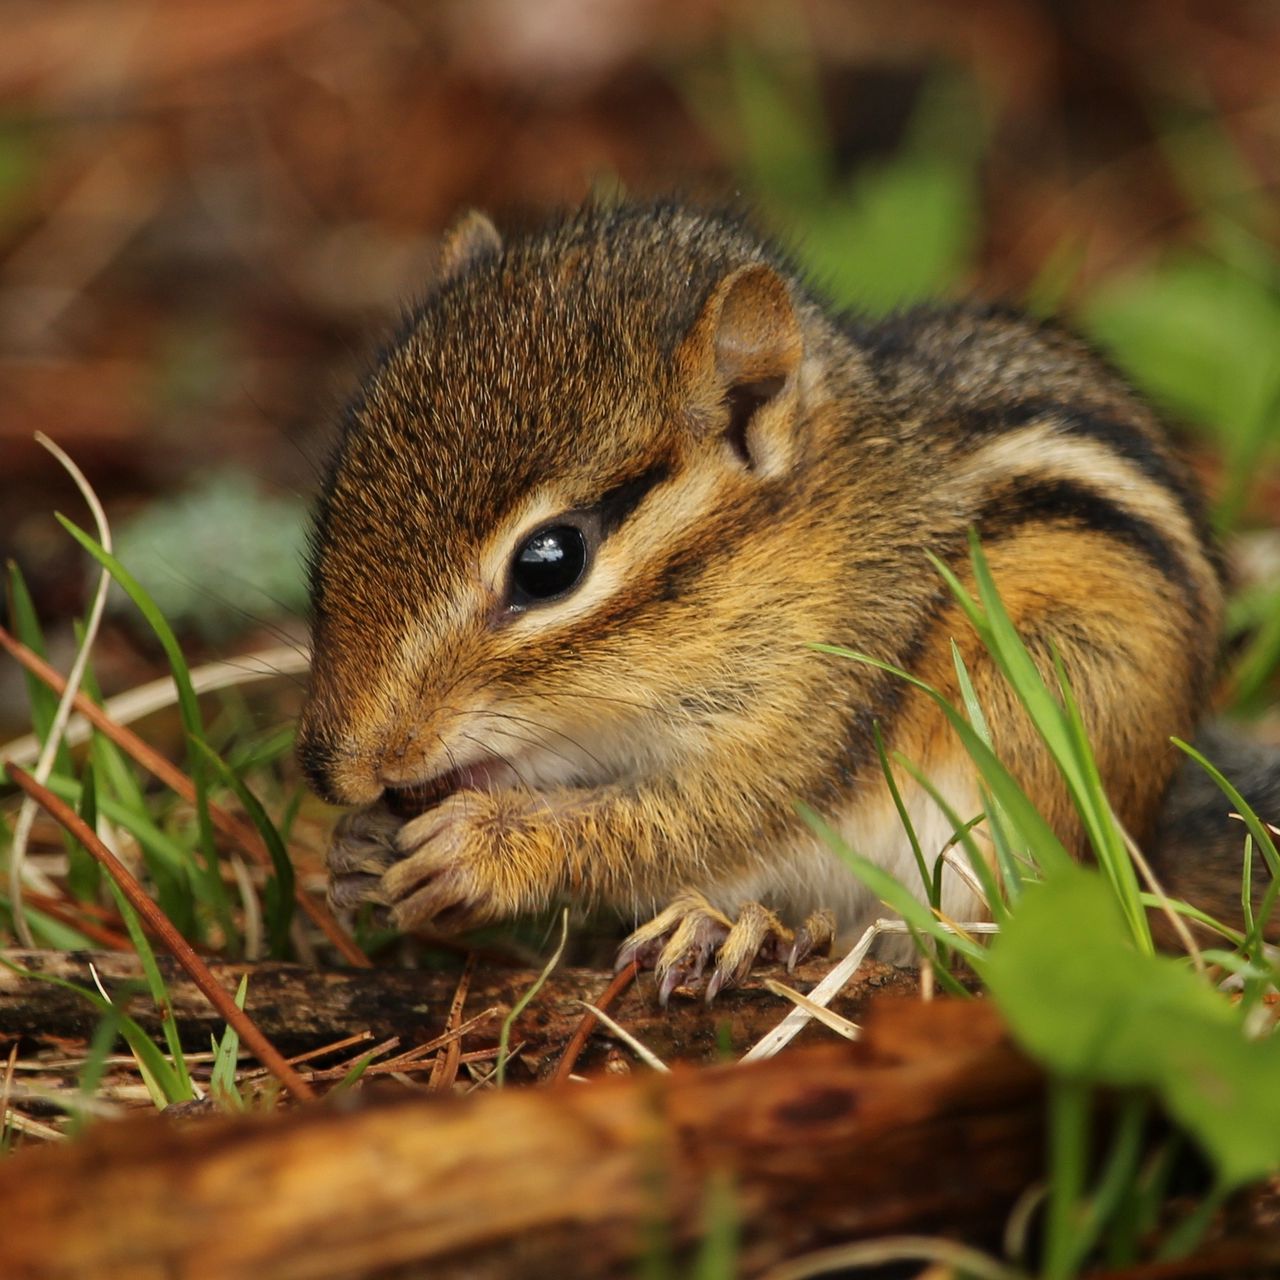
[(211, 212)]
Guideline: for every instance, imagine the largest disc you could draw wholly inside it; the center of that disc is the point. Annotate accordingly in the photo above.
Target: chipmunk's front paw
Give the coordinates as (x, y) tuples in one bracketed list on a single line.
[(680, 941), (361, 849), (457, 866)]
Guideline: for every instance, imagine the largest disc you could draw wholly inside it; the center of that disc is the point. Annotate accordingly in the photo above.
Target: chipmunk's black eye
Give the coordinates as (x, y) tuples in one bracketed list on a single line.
[(548, 564)]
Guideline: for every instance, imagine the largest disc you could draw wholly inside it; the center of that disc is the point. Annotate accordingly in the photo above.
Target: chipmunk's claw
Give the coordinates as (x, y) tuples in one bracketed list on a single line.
[(813, 938), (757, 934), (678, 944)]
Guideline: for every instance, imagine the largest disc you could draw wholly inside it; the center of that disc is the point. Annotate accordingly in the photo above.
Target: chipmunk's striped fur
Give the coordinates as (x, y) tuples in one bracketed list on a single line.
[(757, 474)]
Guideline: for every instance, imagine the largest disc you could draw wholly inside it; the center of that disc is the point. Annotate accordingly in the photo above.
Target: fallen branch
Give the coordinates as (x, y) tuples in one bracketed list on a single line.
[(933, 1125)]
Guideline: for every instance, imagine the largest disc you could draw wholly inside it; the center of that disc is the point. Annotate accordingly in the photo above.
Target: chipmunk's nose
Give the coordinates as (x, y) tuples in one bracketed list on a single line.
[(336, 771), (315, 758)]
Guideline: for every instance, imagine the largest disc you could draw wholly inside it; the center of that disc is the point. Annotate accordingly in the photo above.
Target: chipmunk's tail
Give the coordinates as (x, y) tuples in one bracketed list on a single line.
[(1198, 852)]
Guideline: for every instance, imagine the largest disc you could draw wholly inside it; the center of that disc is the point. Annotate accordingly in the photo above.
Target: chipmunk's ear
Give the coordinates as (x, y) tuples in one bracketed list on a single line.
[(470, 239), (739, 363)]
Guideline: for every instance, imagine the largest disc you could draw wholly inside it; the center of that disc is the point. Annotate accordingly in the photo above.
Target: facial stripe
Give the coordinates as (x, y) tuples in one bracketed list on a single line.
[(627, 555), (619, 502)]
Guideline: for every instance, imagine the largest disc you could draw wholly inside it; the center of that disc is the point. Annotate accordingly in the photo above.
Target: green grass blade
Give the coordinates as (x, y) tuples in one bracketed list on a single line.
[(962, 833), (226, 1054), (1069, 1126), (262, 751), (1026, 819), (997, 819), (114, 768), (889, 890), (84, 875), (1256, 827), (150, 1059), (165, 851), (188, 704), (1056, 718), (167, 862), (1114, 1183), (927, 883), (26, 628), (95, 1064), (1100, 822), (353, 1076), (999, 636), (47, 931), (155, 984), (504, 1036), (279, 891), (718, 1251), (214, 892)]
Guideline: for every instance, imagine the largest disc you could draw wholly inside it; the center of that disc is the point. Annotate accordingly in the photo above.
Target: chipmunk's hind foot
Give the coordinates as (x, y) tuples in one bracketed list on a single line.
[(679, 942)]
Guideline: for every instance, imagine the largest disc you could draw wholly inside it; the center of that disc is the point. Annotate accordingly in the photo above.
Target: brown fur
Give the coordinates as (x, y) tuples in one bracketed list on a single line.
[(651, 732)]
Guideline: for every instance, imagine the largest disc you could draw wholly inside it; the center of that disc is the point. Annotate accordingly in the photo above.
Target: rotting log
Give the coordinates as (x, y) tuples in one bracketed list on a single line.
[(300, 1009), (933, 1123)]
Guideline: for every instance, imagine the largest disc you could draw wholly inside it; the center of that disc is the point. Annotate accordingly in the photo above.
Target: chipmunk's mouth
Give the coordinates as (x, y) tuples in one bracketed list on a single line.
[(483, 775)]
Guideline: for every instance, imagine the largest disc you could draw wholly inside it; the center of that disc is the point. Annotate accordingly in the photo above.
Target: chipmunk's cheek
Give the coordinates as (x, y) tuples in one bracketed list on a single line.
[(450, 874)]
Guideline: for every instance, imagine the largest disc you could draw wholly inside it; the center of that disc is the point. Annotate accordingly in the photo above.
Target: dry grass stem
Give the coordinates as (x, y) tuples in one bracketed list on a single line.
[(833, 1021), (49, 751), (146, 699), (643, 1052)]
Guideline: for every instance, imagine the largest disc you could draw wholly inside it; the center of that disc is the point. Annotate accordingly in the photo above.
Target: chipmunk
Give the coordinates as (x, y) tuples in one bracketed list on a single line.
[(588, 516)]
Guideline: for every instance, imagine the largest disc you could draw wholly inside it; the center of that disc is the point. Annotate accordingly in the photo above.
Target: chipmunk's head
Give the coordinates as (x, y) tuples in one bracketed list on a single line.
[(543, 536)]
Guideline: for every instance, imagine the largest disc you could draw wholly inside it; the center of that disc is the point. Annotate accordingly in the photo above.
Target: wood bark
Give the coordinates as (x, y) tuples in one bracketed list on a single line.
[(932, 1124), (301, 1009)]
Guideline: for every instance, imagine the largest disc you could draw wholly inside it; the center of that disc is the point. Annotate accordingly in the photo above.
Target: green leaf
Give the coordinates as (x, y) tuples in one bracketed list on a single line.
[(1082, 999), (901, 232), (1200, 336), (779, 128)]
